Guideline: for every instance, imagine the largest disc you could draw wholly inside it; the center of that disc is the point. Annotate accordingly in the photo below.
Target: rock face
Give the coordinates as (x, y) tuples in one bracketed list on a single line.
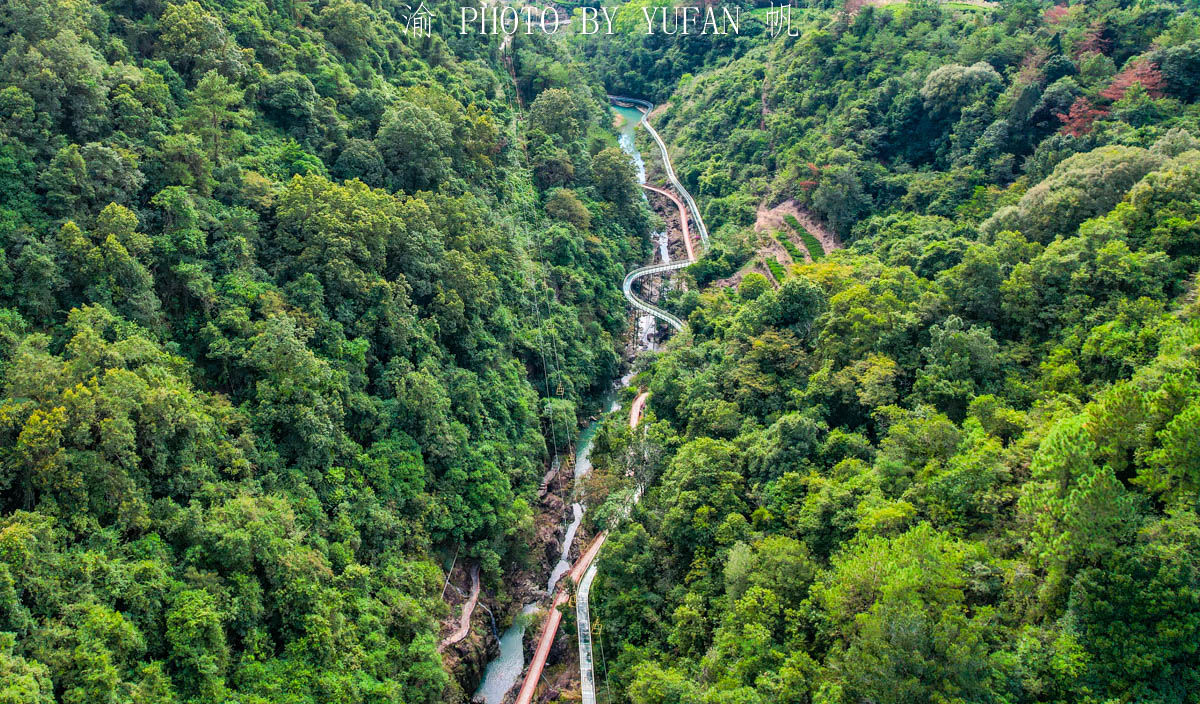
[(467, 660), (549, 530)]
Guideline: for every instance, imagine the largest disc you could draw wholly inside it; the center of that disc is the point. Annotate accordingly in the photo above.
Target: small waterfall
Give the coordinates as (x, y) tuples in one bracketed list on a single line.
[(564, 562), (495, 632), (503, 672)]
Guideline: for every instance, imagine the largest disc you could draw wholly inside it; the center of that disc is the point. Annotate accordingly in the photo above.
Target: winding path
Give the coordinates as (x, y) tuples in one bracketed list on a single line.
[(583, 572), (647, 107), (646, 306), (627, 285), (583, 615), (683, 219), (464, 620)]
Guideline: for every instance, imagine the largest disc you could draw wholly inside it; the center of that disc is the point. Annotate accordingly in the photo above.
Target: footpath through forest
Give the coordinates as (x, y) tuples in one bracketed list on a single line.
[(464, 620)]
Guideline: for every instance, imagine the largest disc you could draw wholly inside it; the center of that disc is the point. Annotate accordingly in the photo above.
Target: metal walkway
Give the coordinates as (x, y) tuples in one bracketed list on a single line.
[(553, 619), (626, 286), (583, 618), (645, 306), (662, 147)]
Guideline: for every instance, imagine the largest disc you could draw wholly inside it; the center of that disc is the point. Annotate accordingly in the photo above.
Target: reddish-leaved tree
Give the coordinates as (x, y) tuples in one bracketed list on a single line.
[(1094, 41), (1136, 71), (1056, 14), (1079, 118), (851, 7)]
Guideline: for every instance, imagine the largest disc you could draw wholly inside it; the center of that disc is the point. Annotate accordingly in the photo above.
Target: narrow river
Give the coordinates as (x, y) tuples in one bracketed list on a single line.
[(503, 673), (630, 119)]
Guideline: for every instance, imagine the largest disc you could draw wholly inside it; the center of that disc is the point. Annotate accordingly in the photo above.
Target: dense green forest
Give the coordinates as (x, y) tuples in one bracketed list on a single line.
[(297, 304), (292, 309), (958, 460)]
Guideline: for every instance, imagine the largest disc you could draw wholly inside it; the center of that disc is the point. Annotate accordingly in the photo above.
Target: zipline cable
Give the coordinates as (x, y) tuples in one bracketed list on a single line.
[(557, 358), (533, 303), (553, 338), (604, 666)]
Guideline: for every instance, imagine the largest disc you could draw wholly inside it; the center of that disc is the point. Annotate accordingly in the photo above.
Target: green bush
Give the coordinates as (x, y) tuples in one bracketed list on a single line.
[(776, 269), (814, 247), (815, 251), (792, 249)]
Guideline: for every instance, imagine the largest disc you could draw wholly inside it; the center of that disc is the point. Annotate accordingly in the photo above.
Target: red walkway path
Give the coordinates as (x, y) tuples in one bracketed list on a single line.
[(551, 628), (635, 410), (683, 218)]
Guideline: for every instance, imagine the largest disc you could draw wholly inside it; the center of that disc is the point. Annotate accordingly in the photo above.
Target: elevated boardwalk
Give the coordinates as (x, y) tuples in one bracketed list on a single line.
[(538, 663), (648, 107), (583, 620), (626, 286), (583, 572)]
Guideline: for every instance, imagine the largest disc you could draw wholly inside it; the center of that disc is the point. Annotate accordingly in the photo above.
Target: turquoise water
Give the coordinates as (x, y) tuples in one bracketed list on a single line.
[(583, 455), (632, 119), (632, 116), (503, 672)]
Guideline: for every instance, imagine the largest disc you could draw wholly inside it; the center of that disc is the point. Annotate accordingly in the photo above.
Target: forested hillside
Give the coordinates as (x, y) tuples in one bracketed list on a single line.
[(292, 309), (958, 460), (297, 306)]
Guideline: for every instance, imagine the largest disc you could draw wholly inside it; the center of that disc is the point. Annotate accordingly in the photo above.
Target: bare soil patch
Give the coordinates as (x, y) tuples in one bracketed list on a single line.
[(768, 247), (771, 219), (669, 212)]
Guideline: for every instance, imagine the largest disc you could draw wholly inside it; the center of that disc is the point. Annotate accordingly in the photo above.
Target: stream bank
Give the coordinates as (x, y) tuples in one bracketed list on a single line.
[(558, 539), (558, 534)]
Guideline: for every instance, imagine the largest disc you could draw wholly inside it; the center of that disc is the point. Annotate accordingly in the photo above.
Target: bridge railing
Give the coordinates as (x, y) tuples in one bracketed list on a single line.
[(644, 306), (636, 274), (662, 146), (583, 621)]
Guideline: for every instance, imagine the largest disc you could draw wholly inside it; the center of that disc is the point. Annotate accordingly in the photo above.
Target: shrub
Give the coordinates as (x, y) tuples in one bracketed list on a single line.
[(815, 251), (776, 269), (792, 249)]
